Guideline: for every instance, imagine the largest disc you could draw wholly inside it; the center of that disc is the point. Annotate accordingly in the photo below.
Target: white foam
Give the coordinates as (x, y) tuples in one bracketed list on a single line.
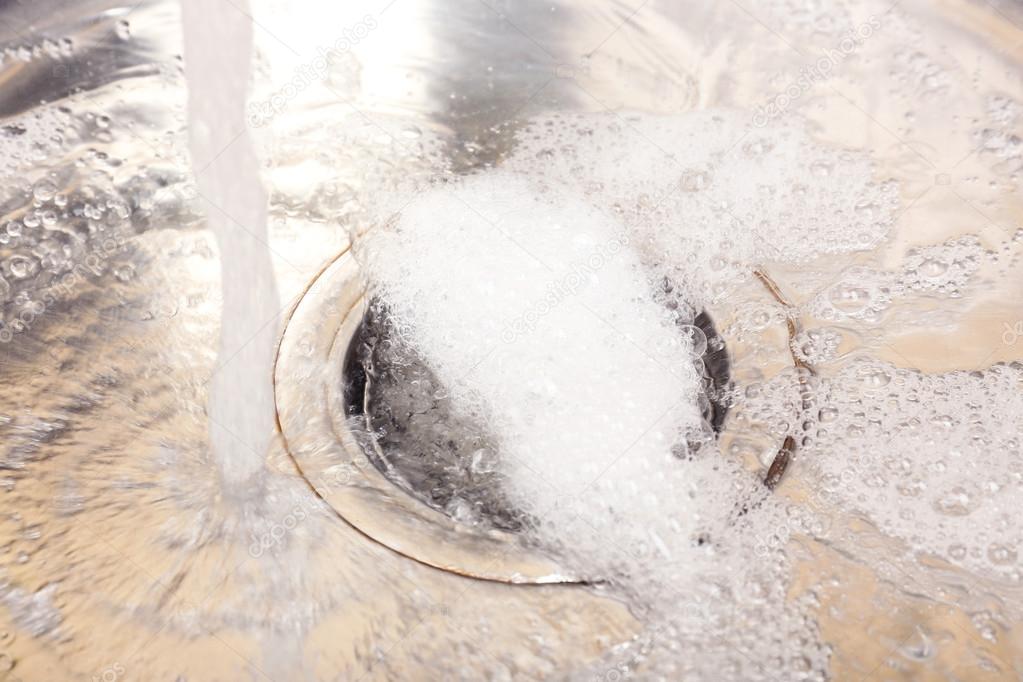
[(709, 194), (534, 310), (578, 372)]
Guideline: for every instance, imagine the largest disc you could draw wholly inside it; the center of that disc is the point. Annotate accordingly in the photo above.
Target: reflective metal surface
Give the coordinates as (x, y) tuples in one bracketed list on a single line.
[(124, 555)]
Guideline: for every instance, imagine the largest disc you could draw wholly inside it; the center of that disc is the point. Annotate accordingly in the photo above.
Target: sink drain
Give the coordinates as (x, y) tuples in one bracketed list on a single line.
[(419, 442), (373, 434), (417, 439), (314, 413)]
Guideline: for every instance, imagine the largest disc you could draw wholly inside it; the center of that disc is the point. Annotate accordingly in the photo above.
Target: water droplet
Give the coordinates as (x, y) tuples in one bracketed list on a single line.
[(44, 190), (848, 298), (694, 180), (956, 502), (1001, 555)]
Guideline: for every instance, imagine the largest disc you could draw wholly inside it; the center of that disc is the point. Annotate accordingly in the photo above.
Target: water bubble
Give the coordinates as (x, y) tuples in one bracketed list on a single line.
[(933, 267), (828, 414), (44, 190), (821, 169), (21, 267), (918, 647), (868, 210), (1001, 555), (694, 180), (956, 502), (876, 378), (124, 272), (757, 147), (957, 552), (484, 461), (697, 339), (849, 298)]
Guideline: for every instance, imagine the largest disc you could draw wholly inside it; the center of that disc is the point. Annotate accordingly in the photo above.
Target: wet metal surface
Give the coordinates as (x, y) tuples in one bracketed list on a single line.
[(122, 554)]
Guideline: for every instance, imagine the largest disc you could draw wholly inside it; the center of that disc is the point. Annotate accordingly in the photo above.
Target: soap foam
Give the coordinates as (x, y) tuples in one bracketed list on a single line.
[(531, 308), (537, 316), (552, 298), (710, 196)]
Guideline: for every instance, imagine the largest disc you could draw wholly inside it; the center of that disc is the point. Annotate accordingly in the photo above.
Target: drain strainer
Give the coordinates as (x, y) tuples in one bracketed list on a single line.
[(316, 425), (374, 437), (424, 446)]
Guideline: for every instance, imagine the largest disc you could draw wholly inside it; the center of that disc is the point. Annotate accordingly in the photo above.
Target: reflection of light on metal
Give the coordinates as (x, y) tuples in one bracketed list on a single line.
[(309, 390)]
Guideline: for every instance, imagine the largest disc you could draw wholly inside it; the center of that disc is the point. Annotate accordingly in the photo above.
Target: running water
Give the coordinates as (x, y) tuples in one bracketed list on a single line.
[(574, 246), (218, 49)]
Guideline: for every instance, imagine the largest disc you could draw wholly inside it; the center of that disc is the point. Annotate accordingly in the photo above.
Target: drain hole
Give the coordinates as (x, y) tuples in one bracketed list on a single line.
[(440, 457), (418, 440)]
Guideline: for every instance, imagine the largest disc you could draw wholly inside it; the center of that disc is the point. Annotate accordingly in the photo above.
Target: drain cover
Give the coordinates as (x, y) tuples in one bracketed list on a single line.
[(316, 424), (417, 439), (373, 437), (421, 444)]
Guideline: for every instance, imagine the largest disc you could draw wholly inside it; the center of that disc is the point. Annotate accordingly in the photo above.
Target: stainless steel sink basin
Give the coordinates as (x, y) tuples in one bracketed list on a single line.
[(124, 552)]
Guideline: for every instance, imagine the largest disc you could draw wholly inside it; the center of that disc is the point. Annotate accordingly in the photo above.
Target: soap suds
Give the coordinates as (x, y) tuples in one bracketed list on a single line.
[(554, 299)]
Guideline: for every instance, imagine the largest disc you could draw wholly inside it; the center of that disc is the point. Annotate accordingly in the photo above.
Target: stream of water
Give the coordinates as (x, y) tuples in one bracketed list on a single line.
[(218, 57)]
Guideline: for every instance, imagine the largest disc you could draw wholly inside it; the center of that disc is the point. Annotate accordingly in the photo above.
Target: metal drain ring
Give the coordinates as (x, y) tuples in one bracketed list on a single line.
[(309, 392), (434, 469), (309, 397)]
